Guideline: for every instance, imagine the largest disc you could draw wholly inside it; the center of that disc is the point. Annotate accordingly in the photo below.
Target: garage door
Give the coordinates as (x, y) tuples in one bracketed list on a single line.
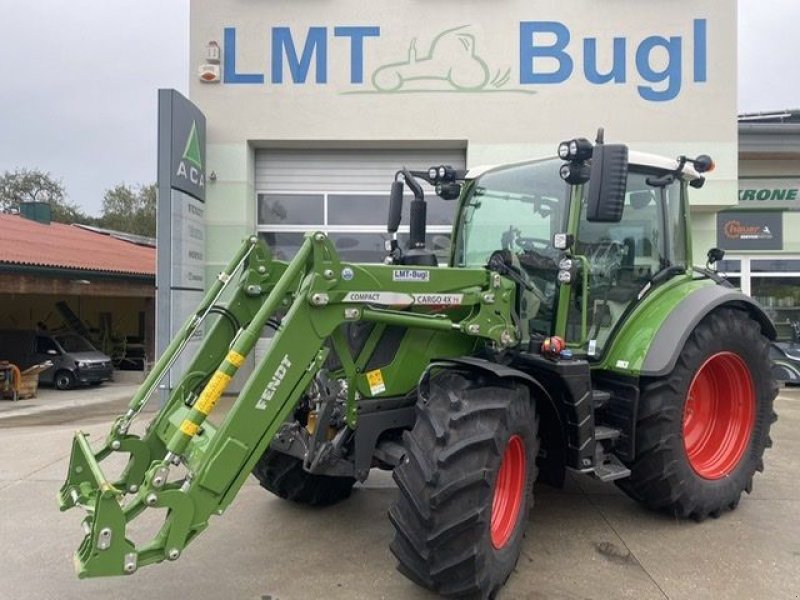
[(344, 193)]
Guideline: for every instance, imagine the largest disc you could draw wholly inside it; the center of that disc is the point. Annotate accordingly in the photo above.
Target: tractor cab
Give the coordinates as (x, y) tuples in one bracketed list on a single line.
[(583, 248)]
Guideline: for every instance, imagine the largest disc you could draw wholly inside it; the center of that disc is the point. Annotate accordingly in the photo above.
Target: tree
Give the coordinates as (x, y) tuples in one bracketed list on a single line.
[(131, 209), (33, 185)]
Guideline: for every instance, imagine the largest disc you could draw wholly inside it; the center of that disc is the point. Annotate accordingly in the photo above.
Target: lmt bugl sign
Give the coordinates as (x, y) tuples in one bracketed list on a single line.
[(180, 275)]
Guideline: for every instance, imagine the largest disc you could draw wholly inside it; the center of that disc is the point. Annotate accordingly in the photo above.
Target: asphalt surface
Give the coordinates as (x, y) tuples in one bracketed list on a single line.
[(586, 541)]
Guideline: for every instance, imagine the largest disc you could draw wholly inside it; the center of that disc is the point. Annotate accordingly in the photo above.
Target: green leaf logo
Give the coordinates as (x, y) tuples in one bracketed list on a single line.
[(192, 151)]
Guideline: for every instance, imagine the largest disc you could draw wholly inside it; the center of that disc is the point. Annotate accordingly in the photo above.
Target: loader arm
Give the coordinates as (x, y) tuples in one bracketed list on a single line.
[(193, 469)]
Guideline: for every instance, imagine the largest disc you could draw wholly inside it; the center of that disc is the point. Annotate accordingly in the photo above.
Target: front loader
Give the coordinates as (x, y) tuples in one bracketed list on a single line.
[(567, 332)]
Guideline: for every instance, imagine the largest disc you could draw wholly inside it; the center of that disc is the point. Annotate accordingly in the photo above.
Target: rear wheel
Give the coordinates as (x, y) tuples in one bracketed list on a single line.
[(284, 476), (702, 429), (465, 485)]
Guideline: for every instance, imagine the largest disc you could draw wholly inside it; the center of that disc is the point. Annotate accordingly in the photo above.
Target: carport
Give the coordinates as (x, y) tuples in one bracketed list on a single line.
[(59, 276)]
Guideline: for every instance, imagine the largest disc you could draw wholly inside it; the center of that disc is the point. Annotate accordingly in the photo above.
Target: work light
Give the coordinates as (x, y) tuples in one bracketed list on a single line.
[(575, 150)]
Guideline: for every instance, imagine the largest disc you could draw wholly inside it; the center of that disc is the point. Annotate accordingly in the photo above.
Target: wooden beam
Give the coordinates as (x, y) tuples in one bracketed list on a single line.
[(13, 283)]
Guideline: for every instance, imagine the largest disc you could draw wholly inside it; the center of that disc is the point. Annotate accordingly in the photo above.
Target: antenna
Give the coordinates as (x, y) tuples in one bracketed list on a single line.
[(600, 136)]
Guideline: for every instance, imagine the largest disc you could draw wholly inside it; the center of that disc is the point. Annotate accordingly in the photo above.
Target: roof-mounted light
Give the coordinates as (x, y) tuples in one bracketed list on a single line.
[(579, 149), (442, 174)]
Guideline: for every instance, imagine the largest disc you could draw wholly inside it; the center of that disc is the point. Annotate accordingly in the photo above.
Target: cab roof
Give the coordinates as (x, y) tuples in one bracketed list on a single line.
[(640, 159)]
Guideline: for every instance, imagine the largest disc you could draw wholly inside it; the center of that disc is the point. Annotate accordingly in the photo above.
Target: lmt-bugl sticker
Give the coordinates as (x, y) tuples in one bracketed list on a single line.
[(410, 275)]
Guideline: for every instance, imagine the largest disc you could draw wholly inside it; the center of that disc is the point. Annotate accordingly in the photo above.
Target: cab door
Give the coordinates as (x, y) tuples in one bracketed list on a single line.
[(622, 258)]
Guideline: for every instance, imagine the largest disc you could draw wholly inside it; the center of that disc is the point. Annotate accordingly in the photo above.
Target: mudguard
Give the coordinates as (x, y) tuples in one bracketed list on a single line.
[(651, 342), (552, 428), (496, 369)]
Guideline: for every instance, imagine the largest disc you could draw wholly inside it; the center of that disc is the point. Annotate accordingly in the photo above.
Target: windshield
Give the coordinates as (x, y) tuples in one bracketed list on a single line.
[(518, 209), (74, 343)]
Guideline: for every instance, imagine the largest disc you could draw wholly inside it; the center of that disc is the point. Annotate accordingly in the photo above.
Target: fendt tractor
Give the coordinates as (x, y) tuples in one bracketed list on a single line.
[(568, 331)]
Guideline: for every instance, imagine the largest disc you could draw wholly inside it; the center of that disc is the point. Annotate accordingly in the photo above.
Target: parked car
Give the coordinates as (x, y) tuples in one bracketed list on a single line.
[(75, 360), (786, 358)]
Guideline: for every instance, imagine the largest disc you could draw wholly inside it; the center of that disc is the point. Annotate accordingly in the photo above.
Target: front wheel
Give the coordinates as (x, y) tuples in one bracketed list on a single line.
[(64, 380), (465, 485), (702, 430)]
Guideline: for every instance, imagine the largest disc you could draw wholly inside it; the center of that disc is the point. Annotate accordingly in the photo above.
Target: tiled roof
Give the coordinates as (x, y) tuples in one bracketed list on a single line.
[(26, 242)]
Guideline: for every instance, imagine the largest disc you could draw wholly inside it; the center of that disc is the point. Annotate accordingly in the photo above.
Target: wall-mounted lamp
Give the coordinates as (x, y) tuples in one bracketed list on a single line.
[(209, 71)]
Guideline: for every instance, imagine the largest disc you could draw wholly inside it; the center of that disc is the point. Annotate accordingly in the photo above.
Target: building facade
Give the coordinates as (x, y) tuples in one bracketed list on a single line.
[(311, 108), (761, 233)]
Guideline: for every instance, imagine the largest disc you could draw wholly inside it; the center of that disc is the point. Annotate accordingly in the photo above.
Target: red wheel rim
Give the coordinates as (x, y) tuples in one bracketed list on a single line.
[(719, 415), (509, 490)]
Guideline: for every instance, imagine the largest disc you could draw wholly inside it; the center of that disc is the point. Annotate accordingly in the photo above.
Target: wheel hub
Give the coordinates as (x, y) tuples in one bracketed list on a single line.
[(719, 415), (509, 491)]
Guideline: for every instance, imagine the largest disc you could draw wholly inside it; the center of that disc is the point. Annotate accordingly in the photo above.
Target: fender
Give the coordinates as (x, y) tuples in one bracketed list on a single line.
[(552, 431), (496, 369), (676, 328), (652, 351)]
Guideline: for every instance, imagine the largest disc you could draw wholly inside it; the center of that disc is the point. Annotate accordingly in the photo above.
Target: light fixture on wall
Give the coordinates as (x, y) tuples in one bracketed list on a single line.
[(209, 71), (213, 176)]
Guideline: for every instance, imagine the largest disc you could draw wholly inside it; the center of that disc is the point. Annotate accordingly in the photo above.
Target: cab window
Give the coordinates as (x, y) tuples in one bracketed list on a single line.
[(623, 257)]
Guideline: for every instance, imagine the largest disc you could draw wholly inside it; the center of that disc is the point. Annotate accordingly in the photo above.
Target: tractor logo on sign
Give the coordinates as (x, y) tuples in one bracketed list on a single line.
[(451, 63)]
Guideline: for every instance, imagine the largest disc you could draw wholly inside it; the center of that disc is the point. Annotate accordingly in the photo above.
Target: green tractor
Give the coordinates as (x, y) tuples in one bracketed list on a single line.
[(458, 378)]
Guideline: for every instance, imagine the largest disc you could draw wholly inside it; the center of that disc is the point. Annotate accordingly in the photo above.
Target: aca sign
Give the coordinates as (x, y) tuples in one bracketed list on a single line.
[(659, 65)]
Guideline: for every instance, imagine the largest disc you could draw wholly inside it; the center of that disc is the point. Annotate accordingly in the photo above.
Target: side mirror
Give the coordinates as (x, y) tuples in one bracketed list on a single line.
[(605, 198), (395, 207), (52, 352), (714, 256)]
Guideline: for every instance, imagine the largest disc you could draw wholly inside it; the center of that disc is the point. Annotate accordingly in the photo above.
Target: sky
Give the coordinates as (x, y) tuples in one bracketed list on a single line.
[(78, 90)]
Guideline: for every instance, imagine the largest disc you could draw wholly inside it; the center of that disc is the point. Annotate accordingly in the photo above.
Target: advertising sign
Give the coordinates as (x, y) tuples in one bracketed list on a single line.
[(180, 273), (777, 192), (750, 230), (559, 69)]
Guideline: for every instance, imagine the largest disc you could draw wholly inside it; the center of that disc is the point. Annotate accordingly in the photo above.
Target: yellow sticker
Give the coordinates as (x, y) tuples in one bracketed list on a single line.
[(205, 403), (189, 428), (236, 359), (375, 381)]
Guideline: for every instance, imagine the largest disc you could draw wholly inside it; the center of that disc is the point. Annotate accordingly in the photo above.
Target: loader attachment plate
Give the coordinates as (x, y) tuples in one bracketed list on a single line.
[(104, 550)]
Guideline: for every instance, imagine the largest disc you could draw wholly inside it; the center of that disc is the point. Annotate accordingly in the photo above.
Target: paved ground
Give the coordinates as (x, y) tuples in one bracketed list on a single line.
[(587, 541)]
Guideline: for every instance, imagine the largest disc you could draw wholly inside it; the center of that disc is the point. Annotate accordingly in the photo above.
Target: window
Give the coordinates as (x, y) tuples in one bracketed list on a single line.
[(45, 344), (773, 282), (290, 209), (355, 222), (518, 209), (624, 256)]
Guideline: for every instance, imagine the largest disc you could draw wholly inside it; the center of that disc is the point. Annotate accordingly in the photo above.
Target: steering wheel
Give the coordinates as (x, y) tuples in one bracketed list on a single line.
[(530, 243), (609, 249), (606, 259)]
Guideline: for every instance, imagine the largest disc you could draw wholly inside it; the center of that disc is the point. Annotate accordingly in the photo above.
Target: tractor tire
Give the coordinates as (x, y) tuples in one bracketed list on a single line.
[(702, 430), (466, 485), (284, 476)]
